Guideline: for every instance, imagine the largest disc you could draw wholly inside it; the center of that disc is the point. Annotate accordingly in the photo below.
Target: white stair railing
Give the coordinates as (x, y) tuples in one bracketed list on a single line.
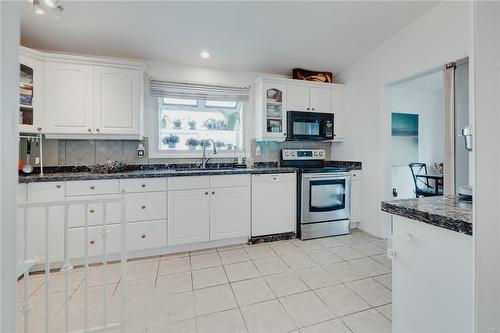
[(24, 267)]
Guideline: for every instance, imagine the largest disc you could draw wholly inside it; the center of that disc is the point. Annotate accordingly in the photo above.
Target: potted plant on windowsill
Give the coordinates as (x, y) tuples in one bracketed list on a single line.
[(192, 143), (177, 123), (219, 144), (170, 140), (192, 124)]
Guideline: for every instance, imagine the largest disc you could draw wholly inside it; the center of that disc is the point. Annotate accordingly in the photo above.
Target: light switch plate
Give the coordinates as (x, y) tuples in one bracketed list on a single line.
[(258, 151)]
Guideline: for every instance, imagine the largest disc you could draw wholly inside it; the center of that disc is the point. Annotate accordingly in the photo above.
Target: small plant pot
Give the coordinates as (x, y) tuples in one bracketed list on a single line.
[(192, 127), (171, 145), (192, 147), (177, 127)]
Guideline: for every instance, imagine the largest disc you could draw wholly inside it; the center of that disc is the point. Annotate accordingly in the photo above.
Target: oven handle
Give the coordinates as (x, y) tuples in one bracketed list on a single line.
[(326, 176)]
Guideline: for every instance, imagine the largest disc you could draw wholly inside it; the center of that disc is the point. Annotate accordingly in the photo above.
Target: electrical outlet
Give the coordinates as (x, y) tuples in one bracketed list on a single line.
[(140, 150), (258, 151)]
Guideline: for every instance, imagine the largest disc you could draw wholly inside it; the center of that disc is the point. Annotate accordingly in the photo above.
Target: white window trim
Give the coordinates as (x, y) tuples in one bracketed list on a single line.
[(155, 152)]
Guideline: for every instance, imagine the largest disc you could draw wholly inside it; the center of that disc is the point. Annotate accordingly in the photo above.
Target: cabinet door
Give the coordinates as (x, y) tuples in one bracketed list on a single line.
[(297, 98), (30, 120), (340, 121), (188, 216), (355, 201), (273, 204), (68, 98), (117, 100), (320, 100), (274, 111), (229, 213)]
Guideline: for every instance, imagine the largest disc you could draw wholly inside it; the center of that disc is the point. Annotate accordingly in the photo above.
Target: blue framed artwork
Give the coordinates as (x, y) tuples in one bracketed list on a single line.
[(404, 138)]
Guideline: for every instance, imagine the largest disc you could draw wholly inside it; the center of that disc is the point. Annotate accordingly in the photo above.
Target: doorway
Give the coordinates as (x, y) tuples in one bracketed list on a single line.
[(417, 135)]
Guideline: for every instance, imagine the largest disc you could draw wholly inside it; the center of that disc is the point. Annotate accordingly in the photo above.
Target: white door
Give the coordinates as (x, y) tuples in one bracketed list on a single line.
[(229, 213), (273, 204), (297, 98), (117, 100), (487, 164), (68, 98), (188, 216), (320, 99), (340, 122)]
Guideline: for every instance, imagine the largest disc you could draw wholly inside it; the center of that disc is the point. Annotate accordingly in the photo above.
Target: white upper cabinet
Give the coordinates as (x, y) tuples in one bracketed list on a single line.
[(30, 84), (275, 96), (305, 98), (297, 98), (117, 100), (68, 98), (320, 100)]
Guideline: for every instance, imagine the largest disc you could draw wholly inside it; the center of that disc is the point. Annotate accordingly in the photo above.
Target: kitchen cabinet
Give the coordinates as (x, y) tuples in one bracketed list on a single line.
[(275, 96), (188, 216), (273, 204), (355, 198), (270, 107), (432, 278), (30, 84), (305, 98), (202, 208), (340, 116), (229, 213), (118, 100), (68, 98)]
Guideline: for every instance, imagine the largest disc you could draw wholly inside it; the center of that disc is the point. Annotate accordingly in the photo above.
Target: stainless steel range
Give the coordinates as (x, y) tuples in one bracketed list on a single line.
[(323, 194)]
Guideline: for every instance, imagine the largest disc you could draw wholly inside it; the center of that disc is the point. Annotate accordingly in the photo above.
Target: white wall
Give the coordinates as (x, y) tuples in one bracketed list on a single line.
[(9, 99), (429, 106), (438, 37)]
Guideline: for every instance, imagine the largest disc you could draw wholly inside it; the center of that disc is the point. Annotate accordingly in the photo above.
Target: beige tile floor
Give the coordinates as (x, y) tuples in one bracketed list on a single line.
[(336, 284)]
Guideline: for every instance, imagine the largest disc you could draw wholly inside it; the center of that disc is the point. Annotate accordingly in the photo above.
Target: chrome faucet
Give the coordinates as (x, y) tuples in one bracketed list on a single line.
[(204, 146)]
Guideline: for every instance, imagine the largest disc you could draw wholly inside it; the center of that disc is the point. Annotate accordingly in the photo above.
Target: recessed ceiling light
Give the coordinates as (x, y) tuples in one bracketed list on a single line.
[(205, 55)]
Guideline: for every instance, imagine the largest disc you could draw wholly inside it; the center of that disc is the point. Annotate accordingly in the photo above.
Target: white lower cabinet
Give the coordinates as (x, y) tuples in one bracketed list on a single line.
[(355, 198), (220, 210), (95, 242), (229, 213), (432, 278), (273, 204), (146, 235), (188, 216)]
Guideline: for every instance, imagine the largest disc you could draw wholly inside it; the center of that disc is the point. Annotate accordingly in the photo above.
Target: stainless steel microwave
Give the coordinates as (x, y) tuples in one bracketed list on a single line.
[(307, 126)]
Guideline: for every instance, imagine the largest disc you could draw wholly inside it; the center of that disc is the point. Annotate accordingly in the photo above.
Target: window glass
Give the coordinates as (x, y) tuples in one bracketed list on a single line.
[(184, 124)]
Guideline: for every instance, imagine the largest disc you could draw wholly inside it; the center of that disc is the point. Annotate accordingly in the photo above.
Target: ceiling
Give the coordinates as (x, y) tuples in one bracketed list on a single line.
[(261, 36)]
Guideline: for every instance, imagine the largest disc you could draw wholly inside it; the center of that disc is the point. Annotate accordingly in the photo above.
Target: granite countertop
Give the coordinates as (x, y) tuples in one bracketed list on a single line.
[(148, 173), (446, 212)]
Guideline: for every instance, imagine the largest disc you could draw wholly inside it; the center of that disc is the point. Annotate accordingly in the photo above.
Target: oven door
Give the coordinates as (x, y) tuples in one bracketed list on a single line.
[(309, 126), (325, 197)]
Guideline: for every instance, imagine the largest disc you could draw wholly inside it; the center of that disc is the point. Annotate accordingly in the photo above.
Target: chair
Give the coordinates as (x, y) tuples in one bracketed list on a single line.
[(422, 186)]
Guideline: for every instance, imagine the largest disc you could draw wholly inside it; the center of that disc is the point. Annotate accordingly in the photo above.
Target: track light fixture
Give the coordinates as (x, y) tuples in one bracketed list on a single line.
[(53, 6)]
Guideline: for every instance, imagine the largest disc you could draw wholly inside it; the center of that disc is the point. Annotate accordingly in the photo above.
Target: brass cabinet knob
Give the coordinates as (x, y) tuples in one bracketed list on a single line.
[(39, 129), (58, 186), (143, 185), (92, 242), (143, 236), (92, 187), (143, 207), (92, 211), (89, 130), (213, 192), (206, 193), (97, 130)]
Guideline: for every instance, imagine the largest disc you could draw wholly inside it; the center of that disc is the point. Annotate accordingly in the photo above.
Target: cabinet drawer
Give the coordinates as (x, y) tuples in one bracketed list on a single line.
[(188, 183), (94, 212), (145, 206), (77, 243), (91, 187), (355, 175), (46, 192), (143, 185), (229, 181), (146, 235), (274, 178)]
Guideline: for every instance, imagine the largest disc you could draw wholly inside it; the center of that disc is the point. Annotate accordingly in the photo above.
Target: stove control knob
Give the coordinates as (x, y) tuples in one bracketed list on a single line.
[(294, 153), (320, 153), (287, 153), (315, 153)]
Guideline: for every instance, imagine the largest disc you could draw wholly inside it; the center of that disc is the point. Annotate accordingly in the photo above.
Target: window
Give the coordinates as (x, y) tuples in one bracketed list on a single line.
[(184, 124)]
